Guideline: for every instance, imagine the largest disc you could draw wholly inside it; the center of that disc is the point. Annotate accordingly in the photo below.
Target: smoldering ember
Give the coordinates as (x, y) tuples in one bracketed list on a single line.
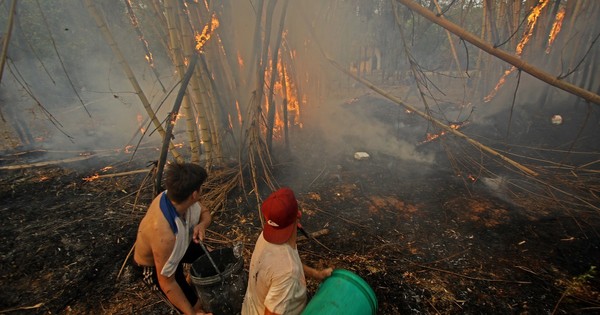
[(444, 154)]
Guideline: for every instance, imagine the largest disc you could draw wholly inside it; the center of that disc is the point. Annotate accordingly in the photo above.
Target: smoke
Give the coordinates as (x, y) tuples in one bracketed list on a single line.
[(63, 89), (370, 125)]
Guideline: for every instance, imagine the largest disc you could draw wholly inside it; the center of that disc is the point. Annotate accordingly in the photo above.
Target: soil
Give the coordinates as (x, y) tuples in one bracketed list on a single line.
[(425, 239)]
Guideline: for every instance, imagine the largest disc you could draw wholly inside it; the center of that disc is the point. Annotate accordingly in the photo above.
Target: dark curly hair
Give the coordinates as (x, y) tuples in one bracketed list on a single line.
[(182, 179)]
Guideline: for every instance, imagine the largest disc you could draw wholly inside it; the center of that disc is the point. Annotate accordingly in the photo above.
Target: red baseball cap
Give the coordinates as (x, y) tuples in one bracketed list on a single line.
[(280, 210)]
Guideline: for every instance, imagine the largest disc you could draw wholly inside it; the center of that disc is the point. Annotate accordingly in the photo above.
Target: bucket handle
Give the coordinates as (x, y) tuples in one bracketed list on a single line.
[(211, 261)]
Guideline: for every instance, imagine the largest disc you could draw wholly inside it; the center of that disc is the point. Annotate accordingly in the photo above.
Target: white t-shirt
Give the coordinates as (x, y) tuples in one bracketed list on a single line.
[(185, 232), (276, 280)]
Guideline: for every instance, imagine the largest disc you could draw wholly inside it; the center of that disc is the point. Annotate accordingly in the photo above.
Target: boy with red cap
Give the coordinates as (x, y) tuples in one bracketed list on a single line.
[(276, 282)]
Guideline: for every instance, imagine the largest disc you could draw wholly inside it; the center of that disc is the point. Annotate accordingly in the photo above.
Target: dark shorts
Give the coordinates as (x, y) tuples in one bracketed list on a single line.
[(150, 278)]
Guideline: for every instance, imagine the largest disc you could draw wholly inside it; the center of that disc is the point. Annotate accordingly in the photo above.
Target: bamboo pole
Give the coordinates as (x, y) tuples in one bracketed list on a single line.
[(214, 108), (255, 56), (175, 39), (136, 26), (512, 59), (171, 123), (284, 109), (436, 122), (209, 114), (129, 72), (274, 74), (9, 27), (452, 48)]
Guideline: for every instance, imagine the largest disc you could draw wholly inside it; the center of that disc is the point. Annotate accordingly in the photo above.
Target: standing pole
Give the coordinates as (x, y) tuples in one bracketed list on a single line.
[(9, 26)]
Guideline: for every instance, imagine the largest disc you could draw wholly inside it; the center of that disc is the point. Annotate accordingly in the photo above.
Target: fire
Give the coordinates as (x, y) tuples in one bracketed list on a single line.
[(239, 112), (240, 59), (432, 136), (43, 178), (136, 26), (560, 15), (107, 168), (531, 22), (204, 36), (128, 149), (285, 89), (499, 85), (91, 178)]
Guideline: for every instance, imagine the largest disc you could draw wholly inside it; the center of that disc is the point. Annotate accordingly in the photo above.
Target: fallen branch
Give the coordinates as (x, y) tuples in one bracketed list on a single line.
[(465, 276), (435, 121), (125, 261), (8, 310), (313, 235), (46, 163), (122, 174)]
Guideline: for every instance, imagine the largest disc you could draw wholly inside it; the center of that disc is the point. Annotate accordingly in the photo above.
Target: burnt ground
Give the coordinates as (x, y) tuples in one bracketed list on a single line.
[(426, 240)]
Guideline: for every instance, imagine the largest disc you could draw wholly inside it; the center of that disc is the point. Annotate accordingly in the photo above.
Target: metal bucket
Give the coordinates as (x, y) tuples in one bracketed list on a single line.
[(220, 293)]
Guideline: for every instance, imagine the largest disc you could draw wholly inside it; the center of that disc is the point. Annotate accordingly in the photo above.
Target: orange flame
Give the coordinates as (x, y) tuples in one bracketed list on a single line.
[(531, 21), (203, 37), (560, 15), (432, 136), (289, 94), (43, 178), (240, 59), (500, 83), (91, 178)]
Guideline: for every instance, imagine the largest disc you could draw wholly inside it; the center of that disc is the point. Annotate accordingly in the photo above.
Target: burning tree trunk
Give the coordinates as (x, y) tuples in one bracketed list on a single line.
[(129, 72), (515, 61), (274, 75)]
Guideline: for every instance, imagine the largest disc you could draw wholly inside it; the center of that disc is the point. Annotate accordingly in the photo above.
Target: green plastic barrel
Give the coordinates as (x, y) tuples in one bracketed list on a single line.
[(343, 293)]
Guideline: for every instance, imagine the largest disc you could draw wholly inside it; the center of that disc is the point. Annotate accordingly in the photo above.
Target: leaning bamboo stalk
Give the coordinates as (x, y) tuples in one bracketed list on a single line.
[(436, 122), (512, 59), (9, 27), (175, 39), (129, 72), (171, 122), (46, 163), (134, 172), (138, 30)]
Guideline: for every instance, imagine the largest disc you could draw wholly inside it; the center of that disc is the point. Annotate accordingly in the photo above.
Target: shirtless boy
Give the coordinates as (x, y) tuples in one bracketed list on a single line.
[(164, 240)]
